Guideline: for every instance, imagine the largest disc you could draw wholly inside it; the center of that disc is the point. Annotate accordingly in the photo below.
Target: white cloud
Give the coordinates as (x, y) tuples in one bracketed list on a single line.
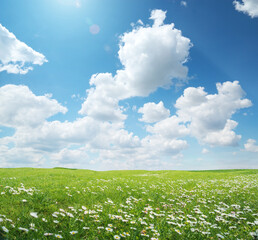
[(140, 22), (152, 153), (158, 16), (16, 56), (251, 146), (209, 115), (111, 143), (55, 135), (18, 157), (249, 7), (155, 145), (183, 3), (169, 128), (222, 137), (102, 101), (205, 150), (22, 108), (151, 58), (70, 157), (153, 112)]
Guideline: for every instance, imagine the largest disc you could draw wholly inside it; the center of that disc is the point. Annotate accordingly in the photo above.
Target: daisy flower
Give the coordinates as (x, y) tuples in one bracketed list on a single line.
[(48, 234), (34, 214), (58, 236), (5, 229), (23, 229)]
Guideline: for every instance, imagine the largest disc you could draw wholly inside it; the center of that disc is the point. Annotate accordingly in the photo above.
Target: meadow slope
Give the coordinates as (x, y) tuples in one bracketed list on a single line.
[(85, 204)]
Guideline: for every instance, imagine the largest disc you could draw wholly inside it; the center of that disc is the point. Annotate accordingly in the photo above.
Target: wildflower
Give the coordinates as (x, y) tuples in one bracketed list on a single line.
[(58, 236), (23, 229), (73, 232), (254, 234), (32, 225), (44, 220), (34, 214), (220, 236), (109, 229), (86, 228), (24, 200), (70, 215), (48, 234), (178, 231), (5, 229), (55, 221), (133, 228), (116, 237)]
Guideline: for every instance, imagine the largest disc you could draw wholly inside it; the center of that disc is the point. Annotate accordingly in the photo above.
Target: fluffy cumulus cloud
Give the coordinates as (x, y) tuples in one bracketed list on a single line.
[(102, 100), (249, 7), (44, 139), (22, 108), (153, 112), (209, 115), (251, 146), (15, 56), (169, 128), (152, 56), (55, 135)]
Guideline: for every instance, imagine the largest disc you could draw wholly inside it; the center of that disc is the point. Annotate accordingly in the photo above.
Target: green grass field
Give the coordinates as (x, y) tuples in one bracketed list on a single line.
[(83, 204)]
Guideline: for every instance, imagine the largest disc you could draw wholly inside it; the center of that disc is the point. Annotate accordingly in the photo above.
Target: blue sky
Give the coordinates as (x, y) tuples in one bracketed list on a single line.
[(129, 84)]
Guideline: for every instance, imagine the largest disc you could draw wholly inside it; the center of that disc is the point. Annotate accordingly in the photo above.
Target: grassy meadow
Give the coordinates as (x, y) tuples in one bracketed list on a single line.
[(84, 204)]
